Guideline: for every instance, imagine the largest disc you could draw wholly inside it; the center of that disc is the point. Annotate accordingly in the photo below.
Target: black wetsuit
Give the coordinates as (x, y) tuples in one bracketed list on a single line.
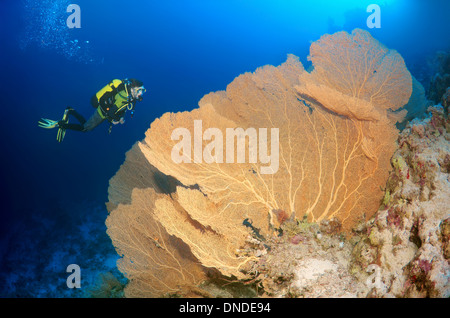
[(112, 106)]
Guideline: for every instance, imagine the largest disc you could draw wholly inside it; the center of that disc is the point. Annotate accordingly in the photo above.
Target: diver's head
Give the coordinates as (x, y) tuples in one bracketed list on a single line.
[(137, 89)]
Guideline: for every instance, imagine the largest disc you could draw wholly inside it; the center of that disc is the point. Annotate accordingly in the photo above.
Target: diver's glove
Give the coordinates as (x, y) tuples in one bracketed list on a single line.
[(120, 121)]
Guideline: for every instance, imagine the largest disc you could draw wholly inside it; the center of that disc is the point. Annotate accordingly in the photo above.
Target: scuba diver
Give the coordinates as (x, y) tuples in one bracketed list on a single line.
[(111, 104)]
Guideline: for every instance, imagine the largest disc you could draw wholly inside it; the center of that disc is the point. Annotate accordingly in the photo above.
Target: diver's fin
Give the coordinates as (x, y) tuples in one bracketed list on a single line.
[(61, 130), (60, 135), (47, 123)]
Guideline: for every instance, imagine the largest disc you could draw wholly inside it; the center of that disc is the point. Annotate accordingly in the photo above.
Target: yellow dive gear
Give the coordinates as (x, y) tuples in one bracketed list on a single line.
[(112, 99)]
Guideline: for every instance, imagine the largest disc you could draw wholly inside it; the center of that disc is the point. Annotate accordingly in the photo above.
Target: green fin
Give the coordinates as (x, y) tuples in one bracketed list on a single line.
[(62, 131), (60, 135), (47, 123)]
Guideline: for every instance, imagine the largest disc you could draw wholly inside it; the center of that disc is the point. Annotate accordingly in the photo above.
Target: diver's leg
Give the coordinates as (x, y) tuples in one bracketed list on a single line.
[(93, 121), (76, 127), (64, 122), (78, 116)]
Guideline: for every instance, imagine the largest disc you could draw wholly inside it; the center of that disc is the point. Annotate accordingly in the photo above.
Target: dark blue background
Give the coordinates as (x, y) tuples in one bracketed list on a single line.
[(182, 50)]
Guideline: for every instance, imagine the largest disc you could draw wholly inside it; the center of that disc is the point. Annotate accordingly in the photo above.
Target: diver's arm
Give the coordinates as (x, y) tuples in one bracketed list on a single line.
[(120, 121)]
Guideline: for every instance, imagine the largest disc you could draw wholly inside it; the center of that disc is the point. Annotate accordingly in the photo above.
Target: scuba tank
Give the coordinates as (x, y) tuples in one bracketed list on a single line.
[(111, 95), (111, 87)]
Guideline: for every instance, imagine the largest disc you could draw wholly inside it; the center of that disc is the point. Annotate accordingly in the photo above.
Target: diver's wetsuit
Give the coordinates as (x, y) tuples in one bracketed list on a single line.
[(111, 106), (84, 125)]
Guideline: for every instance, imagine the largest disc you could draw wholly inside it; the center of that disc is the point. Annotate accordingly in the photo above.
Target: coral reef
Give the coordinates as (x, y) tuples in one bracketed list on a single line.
[(39, 248), (417, 104), (408, 238), (440, 65), (106, 286), (176, 221), (308, 260), (402, 251), (445, 100)]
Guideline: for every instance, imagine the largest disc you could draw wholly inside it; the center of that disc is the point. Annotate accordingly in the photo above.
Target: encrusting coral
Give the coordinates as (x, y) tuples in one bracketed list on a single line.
[(408, 238), (334, 137)]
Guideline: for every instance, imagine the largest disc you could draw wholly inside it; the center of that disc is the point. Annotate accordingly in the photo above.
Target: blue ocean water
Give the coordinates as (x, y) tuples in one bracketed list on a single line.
[(53, 194)]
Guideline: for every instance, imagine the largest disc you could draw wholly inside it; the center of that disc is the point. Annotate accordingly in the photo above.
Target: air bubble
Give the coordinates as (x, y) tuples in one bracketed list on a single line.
[(46, 27)]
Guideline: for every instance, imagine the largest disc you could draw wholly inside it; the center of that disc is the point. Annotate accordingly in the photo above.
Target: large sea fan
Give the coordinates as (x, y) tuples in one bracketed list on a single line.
[(331, 132)]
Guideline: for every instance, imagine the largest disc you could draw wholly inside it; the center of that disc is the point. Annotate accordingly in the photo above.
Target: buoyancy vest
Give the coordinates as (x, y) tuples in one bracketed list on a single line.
[(113, 100)]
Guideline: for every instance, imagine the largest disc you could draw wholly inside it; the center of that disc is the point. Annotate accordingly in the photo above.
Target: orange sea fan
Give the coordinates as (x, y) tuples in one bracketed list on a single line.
[(336, 135)]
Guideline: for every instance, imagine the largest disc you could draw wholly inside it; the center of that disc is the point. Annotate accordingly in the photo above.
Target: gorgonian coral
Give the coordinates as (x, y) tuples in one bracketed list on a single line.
[(315, 144)]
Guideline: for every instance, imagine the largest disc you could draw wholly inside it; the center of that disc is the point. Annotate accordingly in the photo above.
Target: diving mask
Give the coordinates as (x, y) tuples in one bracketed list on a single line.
[(140, 92)]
